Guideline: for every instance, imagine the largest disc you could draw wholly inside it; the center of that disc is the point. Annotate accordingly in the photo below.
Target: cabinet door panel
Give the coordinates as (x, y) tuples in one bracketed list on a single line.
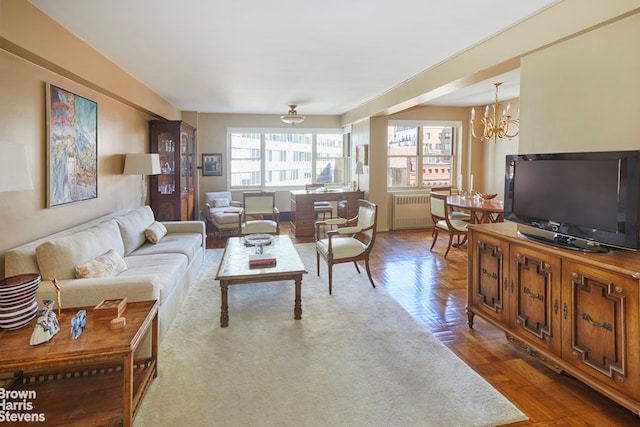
[(488, 277), (599, 324), (535, 278)]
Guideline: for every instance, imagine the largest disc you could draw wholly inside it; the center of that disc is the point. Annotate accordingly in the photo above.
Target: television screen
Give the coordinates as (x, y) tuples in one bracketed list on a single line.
[(590, 196)]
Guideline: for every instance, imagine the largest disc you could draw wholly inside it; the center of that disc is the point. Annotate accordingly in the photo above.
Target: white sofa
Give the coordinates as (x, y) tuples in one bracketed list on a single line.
[(162, 271)]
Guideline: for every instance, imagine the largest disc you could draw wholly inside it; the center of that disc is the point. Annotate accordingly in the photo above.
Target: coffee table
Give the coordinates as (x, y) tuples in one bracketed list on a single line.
[(234, 269), (92, 380)]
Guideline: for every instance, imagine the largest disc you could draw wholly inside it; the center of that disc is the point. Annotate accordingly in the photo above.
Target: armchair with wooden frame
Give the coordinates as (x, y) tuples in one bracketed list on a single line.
[(463, 216), (258, 205), (352, 241), (440, 213)]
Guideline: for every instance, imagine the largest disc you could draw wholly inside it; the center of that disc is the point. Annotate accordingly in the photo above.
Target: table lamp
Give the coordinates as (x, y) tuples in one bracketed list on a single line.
[(142, 164), (359, 171)]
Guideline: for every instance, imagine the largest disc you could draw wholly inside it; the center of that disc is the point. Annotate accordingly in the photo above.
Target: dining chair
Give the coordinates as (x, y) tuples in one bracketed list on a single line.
[(440, 211), (462, 216), (260, 214), (321, 206), (352, 241)]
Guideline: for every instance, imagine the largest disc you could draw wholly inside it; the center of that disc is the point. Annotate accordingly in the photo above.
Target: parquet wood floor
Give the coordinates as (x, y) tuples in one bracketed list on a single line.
[(433, 290)]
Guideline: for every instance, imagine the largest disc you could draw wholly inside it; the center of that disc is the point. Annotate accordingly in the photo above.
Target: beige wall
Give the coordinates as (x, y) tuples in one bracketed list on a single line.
[(34, 50), (583, 94)]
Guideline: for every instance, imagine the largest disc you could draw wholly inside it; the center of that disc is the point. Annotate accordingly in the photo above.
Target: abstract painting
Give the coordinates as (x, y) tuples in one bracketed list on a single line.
[(72, 147)]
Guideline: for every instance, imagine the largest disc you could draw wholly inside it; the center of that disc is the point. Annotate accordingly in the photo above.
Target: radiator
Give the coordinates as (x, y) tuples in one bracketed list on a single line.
[(411, 211)]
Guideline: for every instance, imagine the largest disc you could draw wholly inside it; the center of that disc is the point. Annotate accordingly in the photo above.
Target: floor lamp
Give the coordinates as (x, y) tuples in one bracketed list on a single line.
[(359, 171), (14, 168), (142, 164)]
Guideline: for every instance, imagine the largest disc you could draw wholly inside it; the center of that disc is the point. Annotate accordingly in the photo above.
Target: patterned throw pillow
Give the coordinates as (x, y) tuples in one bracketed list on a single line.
[(220, 203), (155, 232), (107, 265)]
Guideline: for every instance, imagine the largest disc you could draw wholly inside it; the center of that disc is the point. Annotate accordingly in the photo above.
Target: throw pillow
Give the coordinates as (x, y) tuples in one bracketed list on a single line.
[(107, 265), (220, 203), (155, 232)]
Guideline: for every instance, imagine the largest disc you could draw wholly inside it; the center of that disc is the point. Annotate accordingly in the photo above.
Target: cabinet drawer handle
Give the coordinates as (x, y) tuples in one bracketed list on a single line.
[(530, 294), (565, 310), (603, 325), (506, 283), (486, 273), (555, 307)]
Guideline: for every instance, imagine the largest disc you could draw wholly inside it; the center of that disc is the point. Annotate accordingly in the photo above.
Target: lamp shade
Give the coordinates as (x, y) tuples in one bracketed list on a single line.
[(359, 168), (142, 164), (14, 169)]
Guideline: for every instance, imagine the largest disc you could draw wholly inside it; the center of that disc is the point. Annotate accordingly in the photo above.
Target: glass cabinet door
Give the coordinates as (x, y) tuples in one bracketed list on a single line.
[(166, 151)]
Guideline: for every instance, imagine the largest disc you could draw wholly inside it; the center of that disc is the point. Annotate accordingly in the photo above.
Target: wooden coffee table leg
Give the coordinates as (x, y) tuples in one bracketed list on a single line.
[(224, 309), (297, 310)]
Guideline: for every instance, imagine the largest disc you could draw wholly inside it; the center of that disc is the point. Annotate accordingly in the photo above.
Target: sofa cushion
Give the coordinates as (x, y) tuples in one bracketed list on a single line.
[(221, 203), (168, 268), (132, 226), (59, 257), (155, 232), (179, 243), (107, 265)]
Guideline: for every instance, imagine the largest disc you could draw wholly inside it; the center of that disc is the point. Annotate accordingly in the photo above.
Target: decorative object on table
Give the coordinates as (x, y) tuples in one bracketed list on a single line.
[(118, 323), (110, 309), (18, 304), (487, 196), (72, 147), (495, 126), (260, 261), (47, 324), (78, 322), (258, 240), (58, 299)]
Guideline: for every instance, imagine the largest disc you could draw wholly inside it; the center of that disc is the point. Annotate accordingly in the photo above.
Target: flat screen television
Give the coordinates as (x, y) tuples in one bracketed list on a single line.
[(581, 201)]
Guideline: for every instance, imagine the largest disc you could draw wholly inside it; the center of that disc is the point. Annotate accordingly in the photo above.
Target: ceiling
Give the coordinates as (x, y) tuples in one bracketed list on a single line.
[(257, 56)]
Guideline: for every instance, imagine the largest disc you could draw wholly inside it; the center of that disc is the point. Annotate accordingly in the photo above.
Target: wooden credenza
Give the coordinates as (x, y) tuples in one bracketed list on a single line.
[(575, 312), (303, 218)]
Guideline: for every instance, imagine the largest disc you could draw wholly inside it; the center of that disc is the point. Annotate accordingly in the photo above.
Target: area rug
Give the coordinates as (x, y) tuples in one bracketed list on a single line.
[(356, 358)]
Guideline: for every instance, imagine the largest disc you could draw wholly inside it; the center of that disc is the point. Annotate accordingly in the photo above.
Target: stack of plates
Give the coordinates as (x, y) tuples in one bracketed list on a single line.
[(18, 304)]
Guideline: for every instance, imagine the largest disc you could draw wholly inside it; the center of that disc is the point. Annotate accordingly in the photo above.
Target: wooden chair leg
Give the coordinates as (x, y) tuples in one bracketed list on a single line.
[(366, 264), (330, 277), (318, 262), (357, 269), (449, 245), (435, 238)]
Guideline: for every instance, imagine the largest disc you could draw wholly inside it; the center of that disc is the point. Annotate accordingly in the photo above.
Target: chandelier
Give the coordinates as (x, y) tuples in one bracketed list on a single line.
[(292, 118), (495, 127)]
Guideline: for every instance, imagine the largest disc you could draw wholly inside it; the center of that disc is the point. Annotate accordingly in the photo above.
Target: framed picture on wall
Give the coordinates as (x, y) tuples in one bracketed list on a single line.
[(72, 147), (212, 164)]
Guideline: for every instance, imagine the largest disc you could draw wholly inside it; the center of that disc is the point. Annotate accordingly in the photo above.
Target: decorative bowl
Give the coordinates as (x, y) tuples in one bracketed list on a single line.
[(17, 300), (487, 196), (258, 239)]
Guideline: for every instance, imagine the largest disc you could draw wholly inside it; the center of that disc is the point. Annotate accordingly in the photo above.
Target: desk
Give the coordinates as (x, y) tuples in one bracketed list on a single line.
[(303, 216), (482, 211)]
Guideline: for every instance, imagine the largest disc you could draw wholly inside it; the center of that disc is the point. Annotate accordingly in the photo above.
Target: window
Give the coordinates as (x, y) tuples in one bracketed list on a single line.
[(430, 146), (291, 158)]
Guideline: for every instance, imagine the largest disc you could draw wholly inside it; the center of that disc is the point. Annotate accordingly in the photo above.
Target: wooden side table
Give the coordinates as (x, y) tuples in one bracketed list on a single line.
[(92, 380)]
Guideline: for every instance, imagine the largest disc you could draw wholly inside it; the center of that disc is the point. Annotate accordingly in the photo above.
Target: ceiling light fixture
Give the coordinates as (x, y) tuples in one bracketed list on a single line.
[(292, 118), (494, 127)]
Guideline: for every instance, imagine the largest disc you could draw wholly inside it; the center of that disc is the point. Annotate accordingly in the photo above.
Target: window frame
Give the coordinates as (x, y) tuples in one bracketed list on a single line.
[(420, 155), (302, 173)]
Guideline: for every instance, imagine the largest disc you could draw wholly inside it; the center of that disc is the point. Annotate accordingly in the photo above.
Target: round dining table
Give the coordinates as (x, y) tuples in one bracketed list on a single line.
[(480, 210)]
